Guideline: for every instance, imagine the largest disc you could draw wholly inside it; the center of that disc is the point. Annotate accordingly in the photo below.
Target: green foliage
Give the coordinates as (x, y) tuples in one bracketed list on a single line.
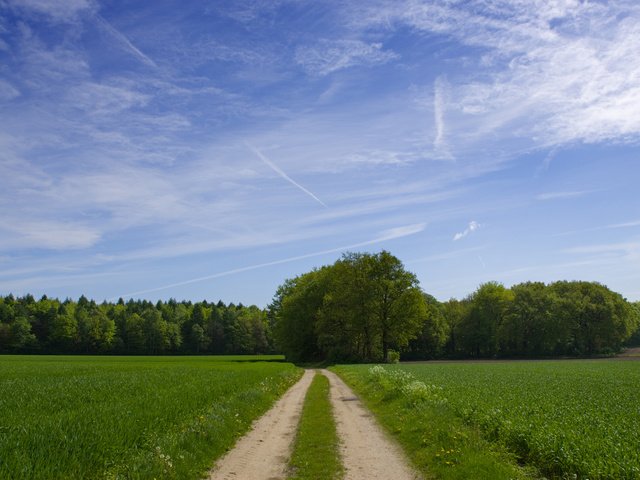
[(416, 414), (634, 339), (356, 309), (569, 419), (137, 327), (534, 319), (433, 336), (128, 417), (315, 452), (393, 356)]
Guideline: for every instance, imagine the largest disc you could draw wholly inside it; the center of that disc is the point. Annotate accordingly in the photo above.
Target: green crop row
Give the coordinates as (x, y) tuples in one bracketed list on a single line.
[(128, 417), (569, 419)]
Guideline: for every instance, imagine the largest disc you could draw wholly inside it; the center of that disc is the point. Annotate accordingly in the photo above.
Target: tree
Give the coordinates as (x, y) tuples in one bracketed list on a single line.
[(96, 330), (20, 336), (529, 327), (295, 307), (455, 313), (398, 302), (488, 307), (198, 338), (598, 320), (434, 332), (345, 321), (63, 336), (356, 309), (155, 331)]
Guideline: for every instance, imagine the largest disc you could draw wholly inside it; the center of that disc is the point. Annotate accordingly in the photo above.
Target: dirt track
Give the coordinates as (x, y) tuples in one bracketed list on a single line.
[(367, 453), (263, 453)]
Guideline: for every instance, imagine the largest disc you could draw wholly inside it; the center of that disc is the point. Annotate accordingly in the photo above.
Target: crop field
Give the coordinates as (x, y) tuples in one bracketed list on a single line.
[(128, 417), (569, 419)]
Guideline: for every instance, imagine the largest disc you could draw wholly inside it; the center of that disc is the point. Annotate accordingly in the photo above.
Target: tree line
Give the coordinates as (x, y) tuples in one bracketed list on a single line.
[(136, 327), (360, 308), (365, 305)]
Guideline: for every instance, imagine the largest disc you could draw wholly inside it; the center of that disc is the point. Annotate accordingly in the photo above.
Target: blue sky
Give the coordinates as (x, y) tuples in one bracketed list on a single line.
[(210, 150)]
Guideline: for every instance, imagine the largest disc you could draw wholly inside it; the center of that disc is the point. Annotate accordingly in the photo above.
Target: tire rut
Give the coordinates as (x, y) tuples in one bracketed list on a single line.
[(367, 452), (263, 453)]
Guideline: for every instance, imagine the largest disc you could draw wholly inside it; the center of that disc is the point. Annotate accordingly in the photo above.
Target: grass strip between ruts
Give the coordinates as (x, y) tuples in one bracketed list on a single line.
[(439, 443), (315, 452)]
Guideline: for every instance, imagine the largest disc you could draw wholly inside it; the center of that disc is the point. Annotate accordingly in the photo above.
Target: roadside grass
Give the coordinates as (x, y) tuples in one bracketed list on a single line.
[(315, 452), (70, 417), (438, 442), (570, 418)]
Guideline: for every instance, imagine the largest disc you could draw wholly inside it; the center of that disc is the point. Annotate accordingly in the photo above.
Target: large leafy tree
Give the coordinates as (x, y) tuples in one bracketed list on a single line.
[(597, 319), (356, 309), (433, 334), (529, 327), (486, 313)]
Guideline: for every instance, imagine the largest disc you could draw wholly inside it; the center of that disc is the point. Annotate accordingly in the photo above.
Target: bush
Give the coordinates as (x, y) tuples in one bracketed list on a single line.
[(393, 356)]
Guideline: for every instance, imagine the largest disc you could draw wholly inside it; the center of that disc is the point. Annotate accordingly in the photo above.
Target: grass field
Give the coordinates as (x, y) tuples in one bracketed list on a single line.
[(569, 419), (128, 417)]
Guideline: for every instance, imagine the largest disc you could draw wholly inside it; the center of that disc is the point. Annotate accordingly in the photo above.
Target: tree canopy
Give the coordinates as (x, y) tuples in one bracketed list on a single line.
[(356, 309), (132, 328)]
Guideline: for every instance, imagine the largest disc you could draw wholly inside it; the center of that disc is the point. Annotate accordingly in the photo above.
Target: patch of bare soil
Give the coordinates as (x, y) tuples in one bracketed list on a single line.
[(367, 452), (263, 453)]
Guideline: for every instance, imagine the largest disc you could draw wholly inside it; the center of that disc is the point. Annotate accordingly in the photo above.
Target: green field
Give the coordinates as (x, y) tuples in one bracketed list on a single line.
[(569, 419), (128, 417)]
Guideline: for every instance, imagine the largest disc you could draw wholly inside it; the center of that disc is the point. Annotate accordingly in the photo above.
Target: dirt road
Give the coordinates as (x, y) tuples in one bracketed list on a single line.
[(367, 453), (263, 453)]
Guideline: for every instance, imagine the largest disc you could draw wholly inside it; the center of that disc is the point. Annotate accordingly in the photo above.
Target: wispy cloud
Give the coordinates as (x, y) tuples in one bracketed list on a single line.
[(391, 234), (561, 195), (65, 12), (553, 73), (55, 235), (473, 226), (607, 248), (328, 56), (8, 91), (279, 171), (635, 223), (439, 97), (614, 226)]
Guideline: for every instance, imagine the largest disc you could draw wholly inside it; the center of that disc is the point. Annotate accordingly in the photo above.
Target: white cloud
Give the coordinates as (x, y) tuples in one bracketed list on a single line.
[(635, 223), (60, 11), (440, 145), (628, 248), (55, 235), (473, 226), (561, 195), (8, 91), (101, 99), (552, 73), (328, 56)]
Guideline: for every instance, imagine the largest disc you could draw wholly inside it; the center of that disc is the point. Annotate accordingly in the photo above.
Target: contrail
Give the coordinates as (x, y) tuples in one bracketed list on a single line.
[(391, 234), (277, 169), (439, 143), (120, 37)]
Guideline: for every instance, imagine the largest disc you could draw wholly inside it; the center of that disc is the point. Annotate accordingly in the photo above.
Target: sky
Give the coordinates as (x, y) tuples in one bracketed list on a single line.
[(210, 150)]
